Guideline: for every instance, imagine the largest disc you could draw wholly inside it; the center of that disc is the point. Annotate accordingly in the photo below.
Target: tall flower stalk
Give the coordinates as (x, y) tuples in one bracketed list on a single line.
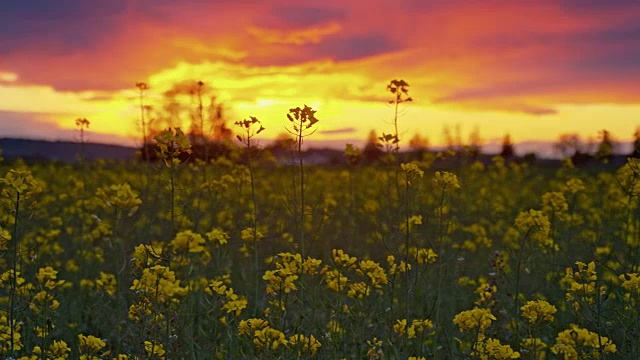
[(302, 125), (172, 143), (249, 131), (20, 186)]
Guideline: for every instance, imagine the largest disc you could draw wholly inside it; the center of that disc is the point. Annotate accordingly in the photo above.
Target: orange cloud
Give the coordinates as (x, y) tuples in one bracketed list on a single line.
[(507, 66), (311, 35)]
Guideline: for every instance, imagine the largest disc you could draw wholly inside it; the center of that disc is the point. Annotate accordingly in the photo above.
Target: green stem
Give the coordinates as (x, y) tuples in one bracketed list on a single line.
[(14, 280)]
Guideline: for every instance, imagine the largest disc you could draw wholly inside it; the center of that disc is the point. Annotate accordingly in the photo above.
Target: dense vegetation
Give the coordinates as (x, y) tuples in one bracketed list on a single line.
[(173, 260)]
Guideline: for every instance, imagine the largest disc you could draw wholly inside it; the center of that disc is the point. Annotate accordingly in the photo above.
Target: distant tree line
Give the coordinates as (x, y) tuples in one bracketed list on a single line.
[(196, 103)]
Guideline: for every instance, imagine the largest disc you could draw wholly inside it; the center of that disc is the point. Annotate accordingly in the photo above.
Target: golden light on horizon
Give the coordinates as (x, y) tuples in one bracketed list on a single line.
[(500, 73)]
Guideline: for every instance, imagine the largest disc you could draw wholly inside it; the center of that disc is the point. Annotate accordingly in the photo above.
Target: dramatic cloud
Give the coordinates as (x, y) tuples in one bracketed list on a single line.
[(341, 131), (464, 59)]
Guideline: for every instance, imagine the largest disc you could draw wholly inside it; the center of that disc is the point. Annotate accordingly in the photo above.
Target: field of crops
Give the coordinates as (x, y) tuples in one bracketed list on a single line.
[(173, 260)]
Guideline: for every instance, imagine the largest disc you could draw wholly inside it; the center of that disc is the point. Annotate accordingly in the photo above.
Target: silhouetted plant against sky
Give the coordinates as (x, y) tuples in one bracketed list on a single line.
[(82, 125), (400, 91), (249, 131), (507, 147), (142, 87), (302, 124)]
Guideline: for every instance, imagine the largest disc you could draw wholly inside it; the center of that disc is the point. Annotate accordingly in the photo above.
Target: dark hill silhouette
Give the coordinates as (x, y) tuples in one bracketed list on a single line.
[(66, 151)]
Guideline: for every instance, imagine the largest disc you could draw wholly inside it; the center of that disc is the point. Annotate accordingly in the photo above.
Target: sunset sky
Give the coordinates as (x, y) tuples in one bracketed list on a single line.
[(533, 68)]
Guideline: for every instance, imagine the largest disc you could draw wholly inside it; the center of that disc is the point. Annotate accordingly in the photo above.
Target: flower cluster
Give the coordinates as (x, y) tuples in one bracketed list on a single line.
[(411, 330), (581, 285), (537, 311), (534, 224), (578, 343)]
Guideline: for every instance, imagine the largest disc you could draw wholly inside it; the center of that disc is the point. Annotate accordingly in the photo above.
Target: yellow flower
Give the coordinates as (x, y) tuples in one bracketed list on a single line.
[(335, 280), (411, 169), (305, 344), (395, 268), (423, 256), (5, 237), (216, 287), (188, 242), (537, 311), (42, 300), (247, 235), (375, 349), (580, 285), (146, 255), (358, 290), (334, 327), (22, 182), (446, 180), (279, 280), (47, 276), (154, 350), (311, 266), (217, 236), (120, 196), (400, 327), (160, 283), (107, 283), (374, 272), (89, 345), (535, 224), (172, 142), (269, 339), (418, 327), (5, 335), (573, 186), (578, 343), (534, 345), (250, 326), (234, 303), (342, 259), (492, 349), (477, 319)]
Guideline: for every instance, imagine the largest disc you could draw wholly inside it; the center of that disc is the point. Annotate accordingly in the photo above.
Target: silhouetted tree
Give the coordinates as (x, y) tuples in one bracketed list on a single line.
[(452, 138), (372, 151), (473, 150), (419, 143), (569, 145), (636, 144), (195, 103), (605, 148), (281, 146), (507, 147), (530, 158)]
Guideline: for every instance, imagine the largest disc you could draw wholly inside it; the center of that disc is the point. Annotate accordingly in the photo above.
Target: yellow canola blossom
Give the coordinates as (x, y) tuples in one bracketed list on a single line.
[(154, 350), (492, 349), (160, 283), (577, 343), (538, 311), (477, 319)]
